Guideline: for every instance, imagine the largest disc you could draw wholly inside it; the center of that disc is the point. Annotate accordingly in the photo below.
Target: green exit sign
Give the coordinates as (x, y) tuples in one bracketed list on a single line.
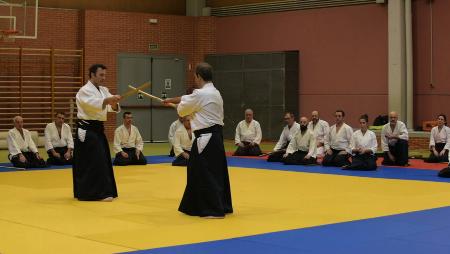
[(153, 46)]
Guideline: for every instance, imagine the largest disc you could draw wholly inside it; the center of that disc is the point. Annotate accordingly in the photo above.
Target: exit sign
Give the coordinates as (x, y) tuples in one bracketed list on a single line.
[(153, 46)]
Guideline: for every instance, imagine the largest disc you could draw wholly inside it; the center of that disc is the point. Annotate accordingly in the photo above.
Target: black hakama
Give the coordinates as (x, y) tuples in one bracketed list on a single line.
[(132, 159), (436, 159), (31, 162), (93, 176), (207, 190), (298, 158), (363, 162), (400, 153), (52, 160), (248, 150), (445, 172), (336, 159), (277, 156), (180, 160)]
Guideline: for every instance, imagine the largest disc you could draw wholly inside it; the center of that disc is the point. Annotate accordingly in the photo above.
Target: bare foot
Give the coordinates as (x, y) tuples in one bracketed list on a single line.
[(108, 199), (214, 217)]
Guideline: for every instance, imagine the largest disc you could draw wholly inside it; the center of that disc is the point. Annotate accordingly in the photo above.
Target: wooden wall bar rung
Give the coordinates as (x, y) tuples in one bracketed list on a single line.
[(42, 81), (68, 77)]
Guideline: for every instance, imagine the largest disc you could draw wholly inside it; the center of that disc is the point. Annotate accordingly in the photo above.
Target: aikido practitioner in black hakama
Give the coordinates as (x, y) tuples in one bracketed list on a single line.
[(23, 152), (248, 136), (288, 132), (439, 141), (394, 142), (364, 147), (128, 143), (182, 143), (59, 141), (302, 148), (337, 143), (93, 176), (207, 192)]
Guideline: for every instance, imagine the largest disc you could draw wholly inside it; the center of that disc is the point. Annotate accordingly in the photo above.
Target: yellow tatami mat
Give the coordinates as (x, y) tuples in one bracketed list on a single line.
[(39, 215)]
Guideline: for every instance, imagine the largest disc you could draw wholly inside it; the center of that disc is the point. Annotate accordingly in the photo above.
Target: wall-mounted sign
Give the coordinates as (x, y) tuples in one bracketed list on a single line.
[(168, 83), (153, 46)]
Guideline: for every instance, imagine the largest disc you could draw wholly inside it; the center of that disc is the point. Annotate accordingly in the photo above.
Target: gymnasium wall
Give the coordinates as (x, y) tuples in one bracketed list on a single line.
[(343, 54), (431, 88), (104, 34), (343, 50)]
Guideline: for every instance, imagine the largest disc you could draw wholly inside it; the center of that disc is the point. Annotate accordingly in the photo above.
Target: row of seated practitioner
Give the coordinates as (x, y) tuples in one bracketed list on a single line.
[(302, 143), (299, 143), (23, 153)]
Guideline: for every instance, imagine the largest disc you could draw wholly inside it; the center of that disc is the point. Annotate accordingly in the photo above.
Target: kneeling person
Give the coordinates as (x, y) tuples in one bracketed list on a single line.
[(337, 143), (439, 141), (288, 132), (59, 141), (248, 136), (302, 148), (182, 143), (394, 141), (23, 152), (364, 147), (128, 144)]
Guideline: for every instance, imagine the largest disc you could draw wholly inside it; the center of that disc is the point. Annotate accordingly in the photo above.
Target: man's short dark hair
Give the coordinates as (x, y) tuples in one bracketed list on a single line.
[(342, 111), (290, 114), (126, 113), (93, 69), (60, 113), (204, 70)]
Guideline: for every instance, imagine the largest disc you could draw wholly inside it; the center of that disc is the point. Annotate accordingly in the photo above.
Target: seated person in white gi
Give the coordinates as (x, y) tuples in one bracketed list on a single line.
[(286, 135), (248, 136), (172, 129), (364, 147), (128, 143), (59, 141), (320, 129), (302, 148), (337, 143), (182, 142), (439, 141), (23, 152), (394, 142)]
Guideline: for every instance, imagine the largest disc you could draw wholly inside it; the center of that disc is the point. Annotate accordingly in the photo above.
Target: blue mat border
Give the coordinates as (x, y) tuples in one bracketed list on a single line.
[(414, 232), (382, 172)]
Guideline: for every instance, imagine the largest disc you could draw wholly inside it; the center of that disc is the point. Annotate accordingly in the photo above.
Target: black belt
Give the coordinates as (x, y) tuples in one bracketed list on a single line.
[(213, 129), (93, 125)]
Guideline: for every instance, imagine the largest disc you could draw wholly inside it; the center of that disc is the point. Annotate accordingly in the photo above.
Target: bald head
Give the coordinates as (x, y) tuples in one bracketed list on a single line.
[(18, 122), (248, 115), (393, 117)]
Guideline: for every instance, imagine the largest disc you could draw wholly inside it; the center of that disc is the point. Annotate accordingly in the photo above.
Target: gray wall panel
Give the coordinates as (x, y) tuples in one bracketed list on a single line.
[(258, 81)]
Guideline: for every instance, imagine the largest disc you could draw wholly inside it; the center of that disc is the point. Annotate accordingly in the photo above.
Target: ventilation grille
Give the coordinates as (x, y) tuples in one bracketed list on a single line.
[(279, 6)]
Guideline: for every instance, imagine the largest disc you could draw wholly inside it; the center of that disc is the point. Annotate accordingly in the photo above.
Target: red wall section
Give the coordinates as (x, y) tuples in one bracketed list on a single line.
[(343, 54), (431, 100), (104, 34)]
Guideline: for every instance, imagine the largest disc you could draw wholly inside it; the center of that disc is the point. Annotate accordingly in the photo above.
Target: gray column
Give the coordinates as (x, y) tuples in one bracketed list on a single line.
[(397, 63), (409, 66)]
